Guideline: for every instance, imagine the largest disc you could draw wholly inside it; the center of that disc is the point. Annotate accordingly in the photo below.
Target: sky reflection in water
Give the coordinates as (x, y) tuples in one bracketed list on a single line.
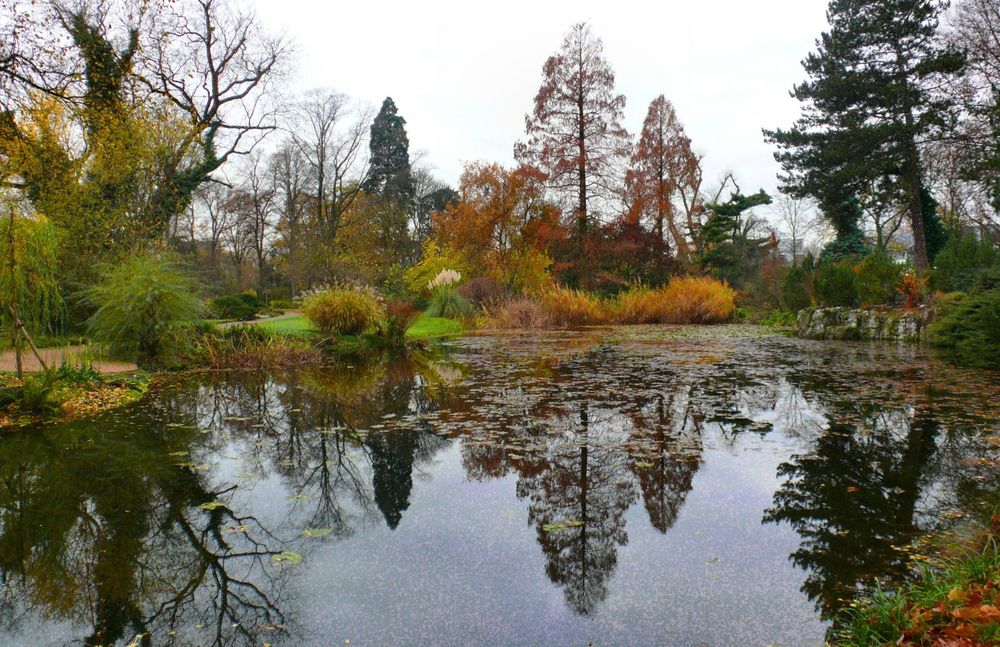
[(677, 486)]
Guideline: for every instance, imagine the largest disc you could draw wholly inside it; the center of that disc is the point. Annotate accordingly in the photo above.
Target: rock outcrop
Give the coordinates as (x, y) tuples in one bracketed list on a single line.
[(876, 324)]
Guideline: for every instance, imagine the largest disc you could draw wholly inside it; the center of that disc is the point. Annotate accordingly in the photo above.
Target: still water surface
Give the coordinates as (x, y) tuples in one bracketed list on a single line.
[(633, 486)]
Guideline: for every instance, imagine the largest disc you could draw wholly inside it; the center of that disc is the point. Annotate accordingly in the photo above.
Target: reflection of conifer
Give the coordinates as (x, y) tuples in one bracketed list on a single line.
[(852, 501), (666, 470), (578, 506), (392, 473)]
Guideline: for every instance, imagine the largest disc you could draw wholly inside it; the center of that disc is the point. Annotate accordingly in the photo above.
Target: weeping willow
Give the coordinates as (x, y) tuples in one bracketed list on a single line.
[(28, 287)]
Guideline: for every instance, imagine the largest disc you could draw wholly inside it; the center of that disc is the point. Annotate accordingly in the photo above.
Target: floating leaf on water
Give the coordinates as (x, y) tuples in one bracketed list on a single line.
[(298, 497), (212, 505), (317, 533), (288, 556)]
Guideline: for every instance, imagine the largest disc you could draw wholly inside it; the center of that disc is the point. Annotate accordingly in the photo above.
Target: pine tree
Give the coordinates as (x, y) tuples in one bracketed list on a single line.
[(867, 108), (728, 245)]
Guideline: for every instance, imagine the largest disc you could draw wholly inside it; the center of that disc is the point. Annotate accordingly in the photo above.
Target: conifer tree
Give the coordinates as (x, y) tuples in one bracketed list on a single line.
[(868, 106), (389, 177)]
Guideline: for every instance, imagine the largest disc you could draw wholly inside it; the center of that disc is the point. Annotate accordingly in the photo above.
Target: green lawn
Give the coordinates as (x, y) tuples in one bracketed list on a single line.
[(428, 327), (424, 328)]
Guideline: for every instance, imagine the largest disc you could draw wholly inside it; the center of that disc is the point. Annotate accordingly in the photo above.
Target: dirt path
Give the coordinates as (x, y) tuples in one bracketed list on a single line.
[(288, 315), (54, 357)]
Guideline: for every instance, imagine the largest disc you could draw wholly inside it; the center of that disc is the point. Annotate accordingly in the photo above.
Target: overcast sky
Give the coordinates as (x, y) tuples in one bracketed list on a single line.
[(464, 74)]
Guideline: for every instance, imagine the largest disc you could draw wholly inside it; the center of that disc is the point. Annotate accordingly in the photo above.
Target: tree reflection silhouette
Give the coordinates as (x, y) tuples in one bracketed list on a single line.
[(852, 500), (100, 524)]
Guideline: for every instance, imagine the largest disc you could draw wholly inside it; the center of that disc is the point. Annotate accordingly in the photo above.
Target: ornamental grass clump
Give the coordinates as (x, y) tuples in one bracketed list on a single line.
[(685, 300), (399, 316), (446, 301), (565, 307), (339, 311), (698, 300)]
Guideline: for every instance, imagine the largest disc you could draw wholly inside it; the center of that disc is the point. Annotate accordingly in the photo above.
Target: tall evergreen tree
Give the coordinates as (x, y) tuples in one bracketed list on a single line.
[(389, 176), (868, 106)]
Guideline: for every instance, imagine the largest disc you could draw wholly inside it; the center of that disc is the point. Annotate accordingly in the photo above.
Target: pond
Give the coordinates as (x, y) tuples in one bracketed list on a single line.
[(620, 486)]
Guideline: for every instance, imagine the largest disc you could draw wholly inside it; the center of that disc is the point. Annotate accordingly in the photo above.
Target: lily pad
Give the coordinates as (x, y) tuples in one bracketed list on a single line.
[(317, 533), (212, 505), (286, 557)]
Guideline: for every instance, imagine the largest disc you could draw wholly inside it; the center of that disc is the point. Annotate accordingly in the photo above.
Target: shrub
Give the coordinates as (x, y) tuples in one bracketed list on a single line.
[(963, 257), (482, 291), (399, 316), (520, 313), (911, 290), (694, 299), (235, 306), (778, 319), (523, 271), (878, 276), (968, 328), (141, 303), (282, 304), (794, 294), (568, 307), (343, 311), (432, 262), (836, 284)]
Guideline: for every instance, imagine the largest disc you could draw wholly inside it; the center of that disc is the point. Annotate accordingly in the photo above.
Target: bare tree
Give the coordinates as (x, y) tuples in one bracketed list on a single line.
[(215, 64), (797, 218), (289, 171), (216, 217), (330, 133)]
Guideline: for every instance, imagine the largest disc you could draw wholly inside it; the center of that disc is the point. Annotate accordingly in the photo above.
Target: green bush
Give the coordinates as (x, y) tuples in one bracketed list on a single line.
[(961, 260), (235, 306), (343, 311), (878, 275), (779, 319), (447, 302), (141, 304), (968, 327), (836, 284), (794, 295)]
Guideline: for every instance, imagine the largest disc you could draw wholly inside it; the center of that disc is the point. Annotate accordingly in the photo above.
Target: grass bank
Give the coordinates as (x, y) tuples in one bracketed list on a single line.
[(425, 327), (65, 393), (954, 599)]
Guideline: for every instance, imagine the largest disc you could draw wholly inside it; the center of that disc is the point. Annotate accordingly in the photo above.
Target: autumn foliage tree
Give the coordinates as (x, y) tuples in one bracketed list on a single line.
[(662, 165), (574, 134), (501, 224)]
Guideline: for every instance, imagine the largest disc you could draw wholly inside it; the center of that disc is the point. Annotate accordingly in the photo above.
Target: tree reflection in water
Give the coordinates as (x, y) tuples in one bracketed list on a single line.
[(101, 525), (147, 522)]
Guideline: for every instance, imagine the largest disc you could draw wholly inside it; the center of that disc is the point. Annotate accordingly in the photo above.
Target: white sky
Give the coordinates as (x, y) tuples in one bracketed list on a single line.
[(464, 74)]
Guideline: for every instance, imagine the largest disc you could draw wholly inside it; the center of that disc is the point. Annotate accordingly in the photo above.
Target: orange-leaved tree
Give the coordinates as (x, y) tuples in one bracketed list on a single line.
[(663, 165), (574, 134), (501, 224)]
